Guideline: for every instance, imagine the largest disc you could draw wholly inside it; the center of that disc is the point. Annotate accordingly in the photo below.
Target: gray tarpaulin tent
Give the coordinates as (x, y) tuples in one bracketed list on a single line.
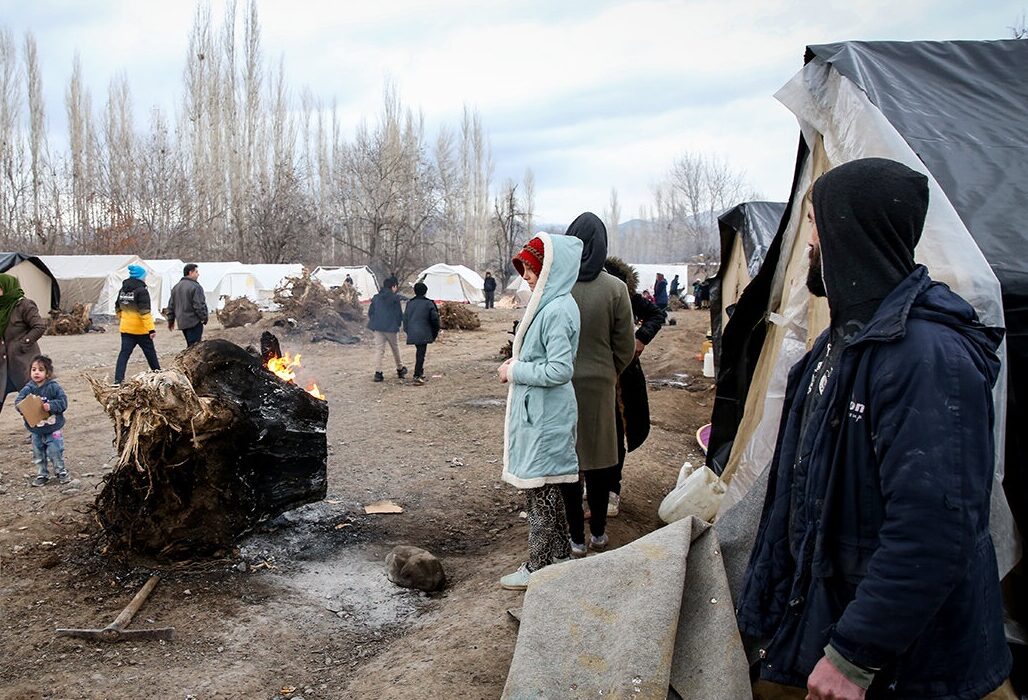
[(35, 278), (746, 232)]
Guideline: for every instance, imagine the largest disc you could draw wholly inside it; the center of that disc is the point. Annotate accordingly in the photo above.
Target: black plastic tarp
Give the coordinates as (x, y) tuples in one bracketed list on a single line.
[(962, 107), (9, 260), (755, 224)]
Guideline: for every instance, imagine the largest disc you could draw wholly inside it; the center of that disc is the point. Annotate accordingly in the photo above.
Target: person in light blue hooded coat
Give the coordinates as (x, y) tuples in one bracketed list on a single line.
[(542, 413)]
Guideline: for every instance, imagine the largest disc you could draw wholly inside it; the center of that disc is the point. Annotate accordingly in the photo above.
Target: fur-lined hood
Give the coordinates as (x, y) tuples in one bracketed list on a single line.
[(623, 271)]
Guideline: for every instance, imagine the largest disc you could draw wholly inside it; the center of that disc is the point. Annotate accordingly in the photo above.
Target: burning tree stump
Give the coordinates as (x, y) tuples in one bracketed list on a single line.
[(206, 451)]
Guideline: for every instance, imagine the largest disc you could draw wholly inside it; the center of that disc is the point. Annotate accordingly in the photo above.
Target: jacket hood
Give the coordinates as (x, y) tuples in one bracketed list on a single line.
[(870, 214), (561, 256), (590, 230), (920, 297), (560, 267), (624, 272)]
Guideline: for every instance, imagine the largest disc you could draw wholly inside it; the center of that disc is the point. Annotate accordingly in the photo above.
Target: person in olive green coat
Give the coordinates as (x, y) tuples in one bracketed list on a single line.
[(21, 327), (606, 347)]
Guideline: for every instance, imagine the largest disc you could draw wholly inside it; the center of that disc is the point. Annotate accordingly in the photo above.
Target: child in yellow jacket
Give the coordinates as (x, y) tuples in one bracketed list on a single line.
[(135, 321)]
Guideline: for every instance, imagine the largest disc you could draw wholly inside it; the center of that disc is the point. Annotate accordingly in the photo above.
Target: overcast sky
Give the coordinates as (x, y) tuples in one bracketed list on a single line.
[(589, 94)]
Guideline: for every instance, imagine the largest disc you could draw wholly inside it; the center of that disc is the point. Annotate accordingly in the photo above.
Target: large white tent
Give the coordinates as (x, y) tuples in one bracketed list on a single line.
[(226, 280), (453, 283), (170, 271), (269, 276), (96, 279), (363, 279)]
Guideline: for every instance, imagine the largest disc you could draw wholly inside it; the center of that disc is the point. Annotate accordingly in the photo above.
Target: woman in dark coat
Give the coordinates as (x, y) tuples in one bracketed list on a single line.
[(21, 327), (633, 407), (421, 325)]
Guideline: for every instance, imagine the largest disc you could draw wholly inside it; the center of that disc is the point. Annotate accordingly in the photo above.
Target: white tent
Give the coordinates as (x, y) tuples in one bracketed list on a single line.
[(453, 283), (520, 289), (34, 280), (96, 279), (363, 279), (269, 276), (170, 271), (226, 280), (648, 275)]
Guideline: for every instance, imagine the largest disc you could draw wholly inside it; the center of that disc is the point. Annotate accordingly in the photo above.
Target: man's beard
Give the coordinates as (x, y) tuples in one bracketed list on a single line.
[(815, 281)]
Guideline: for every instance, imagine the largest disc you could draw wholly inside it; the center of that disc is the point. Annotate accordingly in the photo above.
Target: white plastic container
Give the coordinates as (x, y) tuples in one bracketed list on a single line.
[(708, 364), (699, 494)]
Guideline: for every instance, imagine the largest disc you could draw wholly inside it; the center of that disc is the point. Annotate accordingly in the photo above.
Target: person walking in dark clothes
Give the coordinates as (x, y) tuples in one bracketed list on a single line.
[(385, 316), (873, 573), (660, 292), (187, 306), (606, 347), (421, 325), (490, 290), (676, 286), (135, 321), (632, 411)]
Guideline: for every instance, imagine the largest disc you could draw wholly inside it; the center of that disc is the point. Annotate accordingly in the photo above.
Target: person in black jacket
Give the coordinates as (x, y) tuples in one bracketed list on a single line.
[(633, 408), (385, 316), (873, 573), (421, 325), (490, 289)]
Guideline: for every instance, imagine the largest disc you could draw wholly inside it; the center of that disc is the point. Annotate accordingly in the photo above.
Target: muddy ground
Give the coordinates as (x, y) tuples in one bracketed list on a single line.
[(303, 608)]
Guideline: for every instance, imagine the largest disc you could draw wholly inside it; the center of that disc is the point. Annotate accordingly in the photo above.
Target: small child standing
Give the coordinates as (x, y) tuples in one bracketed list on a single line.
[(421, 325), (542, 414), (47, 438)]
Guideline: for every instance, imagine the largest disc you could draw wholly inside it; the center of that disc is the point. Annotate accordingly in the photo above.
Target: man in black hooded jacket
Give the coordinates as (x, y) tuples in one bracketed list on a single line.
[(873, 573)]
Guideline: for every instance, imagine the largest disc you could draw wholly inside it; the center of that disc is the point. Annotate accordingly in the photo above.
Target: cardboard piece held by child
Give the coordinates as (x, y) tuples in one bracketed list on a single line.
[(32, 408)]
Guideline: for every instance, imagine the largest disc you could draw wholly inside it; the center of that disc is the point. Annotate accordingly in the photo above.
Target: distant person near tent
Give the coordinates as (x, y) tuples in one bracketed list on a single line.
[(675, 286), (421, 326), (632, 411), (606, 347), (348, 281), (187, 306), (539, 454), (660, 292), (704, 296), (489, 287), (385, 316), (873, 568), (21, 327), (696, 293), (135, 321)]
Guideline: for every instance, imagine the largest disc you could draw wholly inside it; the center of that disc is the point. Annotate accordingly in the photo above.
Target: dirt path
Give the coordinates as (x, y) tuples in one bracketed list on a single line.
[(304, 604)]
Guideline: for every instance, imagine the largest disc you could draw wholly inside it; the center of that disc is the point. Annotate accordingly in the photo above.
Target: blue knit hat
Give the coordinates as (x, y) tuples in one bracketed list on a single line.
[(137, 272)]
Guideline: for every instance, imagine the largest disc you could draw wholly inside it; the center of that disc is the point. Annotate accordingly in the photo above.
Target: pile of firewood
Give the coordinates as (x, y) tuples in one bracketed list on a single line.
[(676, 304), (238, 312), (455, 316), (306, 306), (74, 322)]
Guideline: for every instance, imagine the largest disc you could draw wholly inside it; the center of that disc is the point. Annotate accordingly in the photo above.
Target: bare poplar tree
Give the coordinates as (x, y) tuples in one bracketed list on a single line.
[(12, 181), (510, 229), (611, 218), (37, 138)]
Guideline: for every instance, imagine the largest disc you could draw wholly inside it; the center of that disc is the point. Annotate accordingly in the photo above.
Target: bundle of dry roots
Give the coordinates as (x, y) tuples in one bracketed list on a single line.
[(206, 451), (675, 304), (329, 314), (454, 316), (238, 312), (72, 322)]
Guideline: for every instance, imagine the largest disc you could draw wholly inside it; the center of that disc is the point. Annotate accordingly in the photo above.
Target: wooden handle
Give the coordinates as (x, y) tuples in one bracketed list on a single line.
[(126, 615)]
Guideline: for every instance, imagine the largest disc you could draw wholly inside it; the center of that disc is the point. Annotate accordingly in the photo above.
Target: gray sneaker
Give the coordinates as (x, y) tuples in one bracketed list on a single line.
[(64, 478), (598, 543), (39, 481), (578, 550)]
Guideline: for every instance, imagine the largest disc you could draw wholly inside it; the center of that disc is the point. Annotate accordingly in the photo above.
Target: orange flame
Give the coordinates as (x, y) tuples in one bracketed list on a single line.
[(285, 369)]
